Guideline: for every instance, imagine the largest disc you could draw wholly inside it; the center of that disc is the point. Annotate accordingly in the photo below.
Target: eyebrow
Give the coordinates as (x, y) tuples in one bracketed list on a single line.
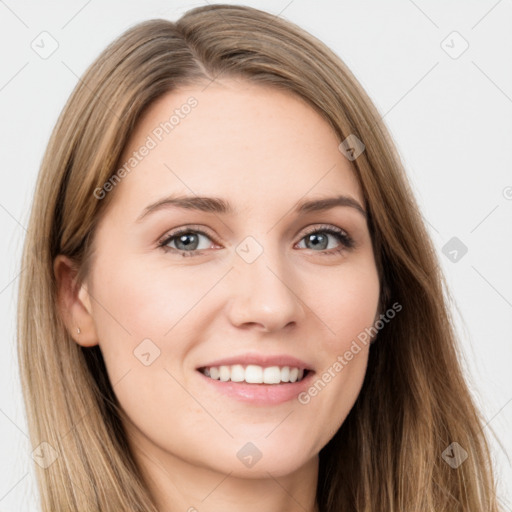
[(220, 206)]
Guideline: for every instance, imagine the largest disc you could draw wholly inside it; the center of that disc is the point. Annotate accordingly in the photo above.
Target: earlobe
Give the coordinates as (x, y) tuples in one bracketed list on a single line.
[(73, 301)]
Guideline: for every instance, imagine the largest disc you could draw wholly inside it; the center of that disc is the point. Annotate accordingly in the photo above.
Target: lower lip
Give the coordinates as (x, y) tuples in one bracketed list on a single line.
[(260, 394)]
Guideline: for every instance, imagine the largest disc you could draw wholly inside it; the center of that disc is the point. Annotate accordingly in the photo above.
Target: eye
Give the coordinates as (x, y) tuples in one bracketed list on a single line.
[(185, 241), (317, 238)]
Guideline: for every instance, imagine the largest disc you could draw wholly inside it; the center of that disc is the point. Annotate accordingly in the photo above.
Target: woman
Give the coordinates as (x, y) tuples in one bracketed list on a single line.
[(232, 300)]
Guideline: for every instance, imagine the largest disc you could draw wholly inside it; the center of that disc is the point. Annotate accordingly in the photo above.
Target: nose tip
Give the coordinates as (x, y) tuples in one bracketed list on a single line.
[(264, 299)]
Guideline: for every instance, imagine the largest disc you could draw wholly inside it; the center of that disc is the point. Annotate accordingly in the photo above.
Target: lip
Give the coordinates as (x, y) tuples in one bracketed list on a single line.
[(260, 394), (260, 360)]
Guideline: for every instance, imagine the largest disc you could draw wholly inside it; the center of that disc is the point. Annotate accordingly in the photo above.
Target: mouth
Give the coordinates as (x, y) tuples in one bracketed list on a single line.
[(255, 374)]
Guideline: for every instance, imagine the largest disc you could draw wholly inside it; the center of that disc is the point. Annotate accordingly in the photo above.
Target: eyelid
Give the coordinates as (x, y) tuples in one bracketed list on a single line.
[(323, 227), (196, 228)]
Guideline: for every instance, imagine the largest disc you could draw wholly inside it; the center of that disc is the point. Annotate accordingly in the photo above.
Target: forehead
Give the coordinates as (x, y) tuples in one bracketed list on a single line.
[(251, 142)]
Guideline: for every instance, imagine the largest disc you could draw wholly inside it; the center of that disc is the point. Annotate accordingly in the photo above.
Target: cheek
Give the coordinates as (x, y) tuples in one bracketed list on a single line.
[(133, 308), (349, 311), (134, 301), (347, 304), (140, 312)]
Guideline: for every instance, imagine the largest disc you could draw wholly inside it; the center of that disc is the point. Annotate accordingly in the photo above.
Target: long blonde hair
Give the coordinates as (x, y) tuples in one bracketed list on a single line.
[(387, 455)]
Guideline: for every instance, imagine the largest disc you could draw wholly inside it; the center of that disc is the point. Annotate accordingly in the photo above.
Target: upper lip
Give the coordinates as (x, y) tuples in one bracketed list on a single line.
[(264, 360)]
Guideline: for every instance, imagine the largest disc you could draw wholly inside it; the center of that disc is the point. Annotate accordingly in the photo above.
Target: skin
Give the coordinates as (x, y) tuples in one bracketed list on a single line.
[(263, 150)]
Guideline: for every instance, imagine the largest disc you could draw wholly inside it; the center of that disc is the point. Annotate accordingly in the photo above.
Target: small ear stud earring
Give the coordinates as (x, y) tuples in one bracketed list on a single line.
[(78, 331)]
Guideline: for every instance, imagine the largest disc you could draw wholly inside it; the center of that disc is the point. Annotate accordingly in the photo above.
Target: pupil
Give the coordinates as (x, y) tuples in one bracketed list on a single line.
[(317, 240), (183, 240)]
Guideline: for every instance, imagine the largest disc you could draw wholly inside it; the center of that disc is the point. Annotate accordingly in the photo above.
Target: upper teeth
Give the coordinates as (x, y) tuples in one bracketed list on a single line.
[(254, 374)]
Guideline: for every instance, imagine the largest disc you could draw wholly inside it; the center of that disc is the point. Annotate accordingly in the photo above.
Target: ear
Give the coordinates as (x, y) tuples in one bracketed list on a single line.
[(74, 304)]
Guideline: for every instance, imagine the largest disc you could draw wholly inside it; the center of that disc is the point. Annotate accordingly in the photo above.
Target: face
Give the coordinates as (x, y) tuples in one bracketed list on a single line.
[(238, 286)]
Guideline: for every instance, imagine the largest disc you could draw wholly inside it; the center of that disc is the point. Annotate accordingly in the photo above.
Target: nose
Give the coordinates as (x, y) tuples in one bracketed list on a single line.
[(264, 294)]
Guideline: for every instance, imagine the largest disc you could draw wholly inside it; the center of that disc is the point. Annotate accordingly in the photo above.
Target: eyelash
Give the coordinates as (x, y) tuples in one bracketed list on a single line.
[(346, 242)]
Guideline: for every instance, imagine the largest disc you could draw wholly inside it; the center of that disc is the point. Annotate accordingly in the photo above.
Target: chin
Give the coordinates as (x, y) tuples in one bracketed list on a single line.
[(259, 458)]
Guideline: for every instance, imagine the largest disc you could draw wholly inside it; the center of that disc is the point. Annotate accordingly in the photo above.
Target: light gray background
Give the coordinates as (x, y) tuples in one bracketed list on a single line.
[(450, 117)]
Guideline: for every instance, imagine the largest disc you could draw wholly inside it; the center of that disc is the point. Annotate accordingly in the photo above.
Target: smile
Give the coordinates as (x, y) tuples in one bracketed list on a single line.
[(254, 374)]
